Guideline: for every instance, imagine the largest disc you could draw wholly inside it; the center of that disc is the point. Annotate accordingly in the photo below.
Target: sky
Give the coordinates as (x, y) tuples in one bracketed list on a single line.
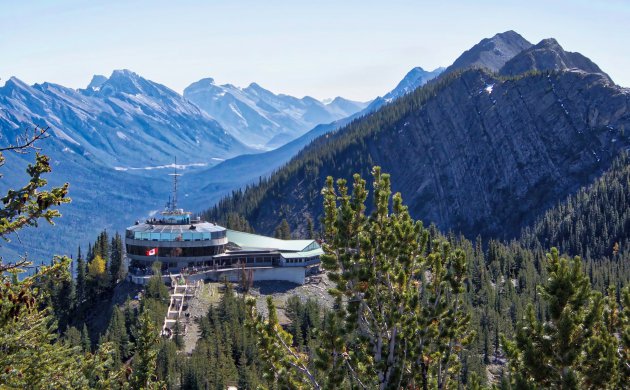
[(355, 49)]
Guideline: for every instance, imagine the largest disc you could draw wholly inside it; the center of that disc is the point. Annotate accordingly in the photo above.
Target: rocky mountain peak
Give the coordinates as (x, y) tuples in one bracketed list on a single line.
[(491, 53), (97, 81), (13, 83), (412, 80), (548, 55), (124, 81)]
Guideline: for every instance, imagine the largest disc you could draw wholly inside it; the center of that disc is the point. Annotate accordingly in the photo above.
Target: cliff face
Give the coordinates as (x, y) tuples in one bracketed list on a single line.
[(479, 155), (487, 156)]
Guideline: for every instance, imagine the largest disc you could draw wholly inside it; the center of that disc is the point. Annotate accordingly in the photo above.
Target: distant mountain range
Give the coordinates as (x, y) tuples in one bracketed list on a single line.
[(473, 152), (249, 168), (114, 140), (99, 137), (262, 119), (124, 121)]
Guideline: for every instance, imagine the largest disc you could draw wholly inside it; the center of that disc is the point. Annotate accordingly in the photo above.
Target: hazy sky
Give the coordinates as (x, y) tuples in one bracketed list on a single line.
[(356, 49)]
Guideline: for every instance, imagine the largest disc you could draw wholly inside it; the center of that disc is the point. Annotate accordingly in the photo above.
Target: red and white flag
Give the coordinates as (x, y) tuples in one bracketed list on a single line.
[(152, 252)]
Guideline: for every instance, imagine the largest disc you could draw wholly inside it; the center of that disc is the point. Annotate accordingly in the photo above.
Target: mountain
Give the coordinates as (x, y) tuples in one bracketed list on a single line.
[(109, 141), (491, 53), (548, 55), (415, 78), (262, 119), (125, 121), (344, 107), (472, 152), (246, 169)]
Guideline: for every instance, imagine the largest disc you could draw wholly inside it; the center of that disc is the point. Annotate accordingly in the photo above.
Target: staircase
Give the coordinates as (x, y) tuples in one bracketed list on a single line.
[(180, 294)]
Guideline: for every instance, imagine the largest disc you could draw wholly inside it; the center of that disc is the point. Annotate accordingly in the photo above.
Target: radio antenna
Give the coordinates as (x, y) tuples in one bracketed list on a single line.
[(174, 197)]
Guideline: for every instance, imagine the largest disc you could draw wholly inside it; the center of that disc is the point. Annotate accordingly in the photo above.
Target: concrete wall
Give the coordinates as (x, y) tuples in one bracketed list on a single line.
[(292, 274), (287, 274)]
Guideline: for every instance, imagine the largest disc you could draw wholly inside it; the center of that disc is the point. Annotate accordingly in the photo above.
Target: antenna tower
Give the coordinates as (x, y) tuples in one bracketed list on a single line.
[(174, 198)]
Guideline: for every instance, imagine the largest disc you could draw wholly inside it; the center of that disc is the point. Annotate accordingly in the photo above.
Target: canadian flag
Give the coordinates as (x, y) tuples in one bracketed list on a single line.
[(152, 252)]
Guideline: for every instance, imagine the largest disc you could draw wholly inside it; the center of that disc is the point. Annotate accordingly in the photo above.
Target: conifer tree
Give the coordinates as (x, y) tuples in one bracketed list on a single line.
[(86, 344), (116, 271), (178, 335), (310, 228), (117, 334), (574, 348), (32, 357), (144, 361), (72, 337), (81, 278), (624, 336), (27, 205), (283, 231), (400, 319)]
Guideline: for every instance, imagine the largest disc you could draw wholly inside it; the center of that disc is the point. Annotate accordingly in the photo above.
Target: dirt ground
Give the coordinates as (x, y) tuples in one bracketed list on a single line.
[(210, 294)]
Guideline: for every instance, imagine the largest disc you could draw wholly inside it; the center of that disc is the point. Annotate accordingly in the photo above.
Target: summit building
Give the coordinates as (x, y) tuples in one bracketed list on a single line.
[(201, 250)]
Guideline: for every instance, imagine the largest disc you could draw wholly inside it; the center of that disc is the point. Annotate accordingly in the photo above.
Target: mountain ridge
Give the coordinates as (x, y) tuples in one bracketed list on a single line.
[(490, 203), (548, 55), (491, 53), (261, 118)]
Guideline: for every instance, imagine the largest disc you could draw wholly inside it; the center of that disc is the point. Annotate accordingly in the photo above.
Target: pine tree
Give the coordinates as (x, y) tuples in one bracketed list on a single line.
[(81, 278), (72, 337), (117, 334), (116, 271), (178, 335), (624, 335), (572, 349), (310, 228), (86, 344), (283, 231), (101, 247), (144, 361), (392, 284)]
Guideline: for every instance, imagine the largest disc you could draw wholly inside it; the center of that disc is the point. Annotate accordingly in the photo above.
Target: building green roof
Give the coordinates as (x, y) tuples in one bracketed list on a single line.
[(255, 241)]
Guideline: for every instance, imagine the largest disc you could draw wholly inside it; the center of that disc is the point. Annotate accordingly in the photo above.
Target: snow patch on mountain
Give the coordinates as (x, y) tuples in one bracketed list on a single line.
[(166, 166), (261, 118)]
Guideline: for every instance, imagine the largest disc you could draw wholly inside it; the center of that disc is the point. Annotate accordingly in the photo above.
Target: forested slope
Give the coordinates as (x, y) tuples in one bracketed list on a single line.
[(594, 223), (473, 152)]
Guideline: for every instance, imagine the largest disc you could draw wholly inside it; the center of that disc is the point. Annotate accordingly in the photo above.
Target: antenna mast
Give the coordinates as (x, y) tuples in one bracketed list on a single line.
[(174, 198)]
